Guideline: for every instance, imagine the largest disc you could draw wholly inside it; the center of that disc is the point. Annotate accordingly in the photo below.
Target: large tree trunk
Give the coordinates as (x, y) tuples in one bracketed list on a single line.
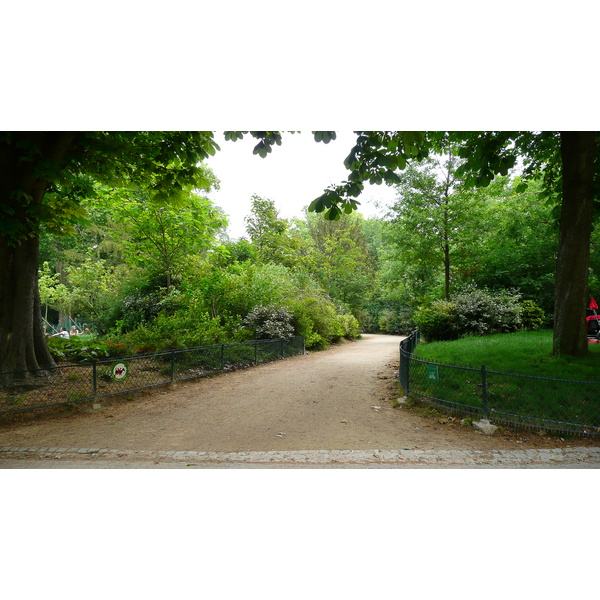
[(25, 161), (578, 151), (23, 346)]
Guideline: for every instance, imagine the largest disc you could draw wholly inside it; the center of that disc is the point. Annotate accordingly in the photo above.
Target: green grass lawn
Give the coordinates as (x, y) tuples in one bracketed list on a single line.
[(519, 399), (525, 353)]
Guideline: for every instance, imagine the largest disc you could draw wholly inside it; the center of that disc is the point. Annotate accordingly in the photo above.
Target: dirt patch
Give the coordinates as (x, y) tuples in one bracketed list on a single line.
[(342, 398)]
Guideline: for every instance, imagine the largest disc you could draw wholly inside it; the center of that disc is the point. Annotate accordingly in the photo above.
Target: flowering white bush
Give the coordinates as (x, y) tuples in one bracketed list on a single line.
[(471, 311), (269, 322), (482, 312)]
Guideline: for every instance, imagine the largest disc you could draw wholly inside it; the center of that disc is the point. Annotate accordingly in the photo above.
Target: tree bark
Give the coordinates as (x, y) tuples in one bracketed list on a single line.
[(23, 345), (578, 152), (23, 349)]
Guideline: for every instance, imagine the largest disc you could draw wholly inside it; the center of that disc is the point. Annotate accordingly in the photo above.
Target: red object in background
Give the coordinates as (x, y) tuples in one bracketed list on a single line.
[(593, 333)]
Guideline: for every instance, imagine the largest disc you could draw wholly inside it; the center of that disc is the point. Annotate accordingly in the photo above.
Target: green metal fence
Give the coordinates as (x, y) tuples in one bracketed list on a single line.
[(71, 383), (534, 402)]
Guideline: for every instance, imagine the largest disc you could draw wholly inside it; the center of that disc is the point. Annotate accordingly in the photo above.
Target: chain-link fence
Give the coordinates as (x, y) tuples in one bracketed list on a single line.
[(535, 402), (70, 383)]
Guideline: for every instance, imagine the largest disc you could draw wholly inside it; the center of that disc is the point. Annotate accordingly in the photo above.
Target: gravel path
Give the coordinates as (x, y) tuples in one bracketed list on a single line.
[(327, 402)]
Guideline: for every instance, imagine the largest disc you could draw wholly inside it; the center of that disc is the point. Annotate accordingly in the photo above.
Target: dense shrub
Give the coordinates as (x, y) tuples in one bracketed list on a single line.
[(350, 326), (185, 329), (437, 321), (316, 318), (532, 316)]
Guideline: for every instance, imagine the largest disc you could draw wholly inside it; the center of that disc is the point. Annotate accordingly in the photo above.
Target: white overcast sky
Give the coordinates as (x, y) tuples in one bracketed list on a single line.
[(293, 175)]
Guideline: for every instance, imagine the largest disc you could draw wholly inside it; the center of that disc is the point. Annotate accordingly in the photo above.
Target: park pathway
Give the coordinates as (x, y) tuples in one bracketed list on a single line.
[(330, 408)]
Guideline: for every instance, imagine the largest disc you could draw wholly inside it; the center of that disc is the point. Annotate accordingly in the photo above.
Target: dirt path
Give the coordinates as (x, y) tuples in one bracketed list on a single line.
[(339, 399)]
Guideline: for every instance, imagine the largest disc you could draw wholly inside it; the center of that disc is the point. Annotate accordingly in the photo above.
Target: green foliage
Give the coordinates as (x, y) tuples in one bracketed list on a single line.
[(316, 318), (395, 322), (273, 237), (532, 316), (141, 307), (185, 329), (437, 321), (340, 259), (159, 236), (77, 349), (52, 292), (518, 247), (63, 163), (240, 251), (350, 326)]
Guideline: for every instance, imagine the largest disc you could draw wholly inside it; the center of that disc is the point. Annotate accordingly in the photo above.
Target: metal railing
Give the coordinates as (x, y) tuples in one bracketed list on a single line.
[(539, 403), (83, 382)]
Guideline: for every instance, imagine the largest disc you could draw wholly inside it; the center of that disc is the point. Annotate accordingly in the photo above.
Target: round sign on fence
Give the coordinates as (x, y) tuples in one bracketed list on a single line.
[(118, 371)]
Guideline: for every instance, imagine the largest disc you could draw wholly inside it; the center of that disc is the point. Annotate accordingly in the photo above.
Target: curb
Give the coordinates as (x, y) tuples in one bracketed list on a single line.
[(590, 457)]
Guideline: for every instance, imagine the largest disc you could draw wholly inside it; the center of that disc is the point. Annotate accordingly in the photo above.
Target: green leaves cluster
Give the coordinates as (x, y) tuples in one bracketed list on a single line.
[(65, 165), (266, 140), (77, 350), (375, 158)]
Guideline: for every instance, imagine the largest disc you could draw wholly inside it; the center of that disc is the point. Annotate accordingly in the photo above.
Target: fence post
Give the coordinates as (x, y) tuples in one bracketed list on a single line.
[(404, 368), (282, 348), (407, 373), (484, 392), (400, 364), (95, 388), (222, 357), (172, 365), (255, 352)]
